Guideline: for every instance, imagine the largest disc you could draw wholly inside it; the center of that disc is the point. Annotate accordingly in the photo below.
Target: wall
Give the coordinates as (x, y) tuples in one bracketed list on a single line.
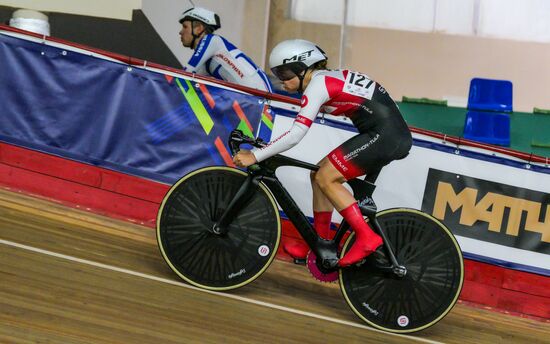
[(441, 66), (136, 38), (255, 31), (281, 28), (428, 64), (243, 23), (408, 63), (119, 9)]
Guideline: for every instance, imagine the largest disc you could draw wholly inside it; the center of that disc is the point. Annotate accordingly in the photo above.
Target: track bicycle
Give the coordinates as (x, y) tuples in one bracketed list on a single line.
[(219, 228)]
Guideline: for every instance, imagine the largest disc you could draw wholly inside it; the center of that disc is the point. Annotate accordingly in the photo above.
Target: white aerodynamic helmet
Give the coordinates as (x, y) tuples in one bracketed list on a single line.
[(203, 15), (290, 58)]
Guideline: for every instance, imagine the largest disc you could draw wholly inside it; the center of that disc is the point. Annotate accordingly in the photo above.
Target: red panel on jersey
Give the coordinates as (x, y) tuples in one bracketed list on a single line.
[(334, 86), (304, 120)]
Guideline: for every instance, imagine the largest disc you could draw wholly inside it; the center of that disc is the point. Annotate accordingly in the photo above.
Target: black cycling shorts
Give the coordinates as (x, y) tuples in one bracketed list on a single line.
[(369, 151)]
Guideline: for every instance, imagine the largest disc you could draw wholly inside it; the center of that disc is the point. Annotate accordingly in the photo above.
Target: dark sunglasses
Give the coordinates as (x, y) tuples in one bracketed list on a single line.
[(283, 73)]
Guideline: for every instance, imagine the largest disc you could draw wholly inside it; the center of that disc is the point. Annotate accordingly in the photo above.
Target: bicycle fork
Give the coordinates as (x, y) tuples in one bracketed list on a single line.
[(245, 192)]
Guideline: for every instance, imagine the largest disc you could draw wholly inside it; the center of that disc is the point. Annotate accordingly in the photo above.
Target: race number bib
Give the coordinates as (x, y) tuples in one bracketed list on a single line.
[(360, 85)]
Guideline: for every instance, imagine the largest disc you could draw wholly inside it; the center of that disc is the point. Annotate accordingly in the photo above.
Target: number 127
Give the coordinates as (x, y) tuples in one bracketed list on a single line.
[(358, 79)]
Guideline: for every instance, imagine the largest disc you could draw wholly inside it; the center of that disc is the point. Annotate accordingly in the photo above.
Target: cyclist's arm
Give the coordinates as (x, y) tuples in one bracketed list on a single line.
[(314, 96), (204, 52)]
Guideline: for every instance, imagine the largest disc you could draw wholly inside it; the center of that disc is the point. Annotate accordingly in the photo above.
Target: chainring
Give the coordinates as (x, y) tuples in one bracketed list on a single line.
[(311, 264)]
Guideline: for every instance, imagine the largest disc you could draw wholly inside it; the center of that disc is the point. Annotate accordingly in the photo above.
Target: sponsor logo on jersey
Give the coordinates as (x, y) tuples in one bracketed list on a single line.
[(304, 101), (231, 64), (198, 52), (356, 151), (298, 57), (489, 211), (362, 106), (338, 162), (304, 120), (277, 139)]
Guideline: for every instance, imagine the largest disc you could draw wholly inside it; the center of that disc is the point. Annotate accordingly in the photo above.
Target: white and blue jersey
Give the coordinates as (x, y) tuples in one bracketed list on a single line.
[(215, 56)]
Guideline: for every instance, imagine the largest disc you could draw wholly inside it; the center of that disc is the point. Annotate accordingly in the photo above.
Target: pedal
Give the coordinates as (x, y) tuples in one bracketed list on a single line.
[(300, 261)]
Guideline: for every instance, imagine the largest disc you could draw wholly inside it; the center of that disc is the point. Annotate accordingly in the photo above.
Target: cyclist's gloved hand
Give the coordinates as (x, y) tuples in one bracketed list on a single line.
[(244, 158)]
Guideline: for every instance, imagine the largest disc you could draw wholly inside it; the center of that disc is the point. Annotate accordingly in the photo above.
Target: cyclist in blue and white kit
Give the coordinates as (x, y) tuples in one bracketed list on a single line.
[(214, 55)]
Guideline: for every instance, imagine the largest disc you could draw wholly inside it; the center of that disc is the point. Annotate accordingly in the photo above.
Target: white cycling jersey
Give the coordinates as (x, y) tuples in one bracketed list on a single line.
[(215, 56), (315, 97), (354, 95)]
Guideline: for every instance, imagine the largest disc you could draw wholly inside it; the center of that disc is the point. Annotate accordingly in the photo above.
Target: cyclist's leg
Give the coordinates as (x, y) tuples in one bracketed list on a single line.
[(364, 153), (329, 180), (322, 210), (322, 215)]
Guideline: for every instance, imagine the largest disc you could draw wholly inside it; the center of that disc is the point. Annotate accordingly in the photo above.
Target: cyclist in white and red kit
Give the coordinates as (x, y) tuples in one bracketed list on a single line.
[(383, 137)]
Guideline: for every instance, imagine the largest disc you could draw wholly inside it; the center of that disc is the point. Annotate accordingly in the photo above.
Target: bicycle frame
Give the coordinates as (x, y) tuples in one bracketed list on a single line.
[(325, 250)]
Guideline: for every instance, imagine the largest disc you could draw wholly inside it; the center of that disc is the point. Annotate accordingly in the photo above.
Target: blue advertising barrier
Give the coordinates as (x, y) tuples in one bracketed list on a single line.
[(116, 116)]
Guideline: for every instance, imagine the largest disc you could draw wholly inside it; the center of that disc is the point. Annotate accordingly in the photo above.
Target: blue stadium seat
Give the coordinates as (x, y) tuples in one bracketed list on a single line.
[(490, 95), (488, 127), (486, 120)]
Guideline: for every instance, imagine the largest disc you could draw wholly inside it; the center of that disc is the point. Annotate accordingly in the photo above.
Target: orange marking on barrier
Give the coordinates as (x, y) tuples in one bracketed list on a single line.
[(241, 114), (267, 114), (207, 95), (224, 152)]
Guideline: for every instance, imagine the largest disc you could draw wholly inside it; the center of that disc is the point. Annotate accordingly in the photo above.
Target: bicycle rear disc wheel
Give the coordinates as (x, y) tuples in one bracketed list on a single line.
[(431, 286), (211, 261)]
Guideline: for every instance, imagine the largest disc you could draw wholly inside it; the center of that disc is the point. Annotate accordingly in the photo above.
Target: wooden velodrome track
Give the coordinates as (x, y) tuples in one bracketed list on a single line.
[(68, 276)]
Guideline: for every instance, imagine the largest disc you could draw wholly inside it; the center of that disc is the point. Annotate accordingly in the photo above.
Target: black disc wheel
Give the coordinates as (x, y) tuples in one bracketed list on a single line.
[(428, 290), (191, 247)]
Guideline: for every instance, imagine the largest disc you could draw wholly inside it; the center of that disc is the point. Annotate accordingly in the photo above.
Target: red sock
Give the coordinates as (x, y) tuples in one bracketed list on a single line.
[(321, 222), (366, 241)]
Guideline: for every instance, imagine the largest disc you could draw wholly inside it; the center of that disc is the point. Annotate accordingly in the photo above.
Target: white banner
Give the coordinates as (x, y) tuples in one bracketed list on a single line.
[(497, 206)]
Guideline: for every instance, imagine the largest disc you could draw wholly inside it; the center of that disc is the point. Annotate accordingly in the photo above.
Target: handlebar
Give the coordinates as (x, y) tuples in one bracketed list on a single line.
[(237, 138)]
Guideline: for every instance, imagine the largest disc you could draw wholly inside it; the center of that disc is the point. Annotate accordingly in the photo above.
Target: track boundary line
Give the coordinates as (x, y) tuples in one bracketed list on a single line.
[(220, 294)]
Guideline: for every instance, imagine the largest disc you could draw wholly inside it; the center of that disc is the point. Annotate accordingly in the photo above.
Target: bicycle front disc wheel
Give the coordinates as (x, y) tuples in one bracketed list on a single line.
[(208, 260), (431, 286)]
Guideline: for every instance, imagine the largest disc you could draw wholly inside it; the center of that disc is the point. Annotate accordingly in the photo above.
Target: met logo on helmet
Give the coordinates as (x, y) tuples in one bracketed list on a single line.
[(299, 57)]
